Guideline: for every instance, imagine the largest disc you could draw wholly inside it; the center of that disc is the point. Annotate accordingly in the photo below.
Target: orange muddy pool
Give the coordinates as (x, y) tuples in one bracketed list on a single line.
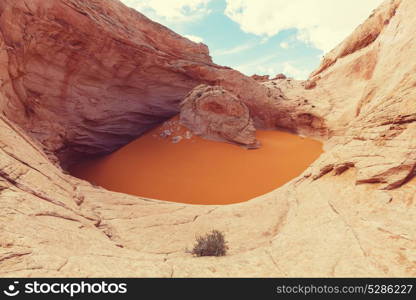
[(168, 163)]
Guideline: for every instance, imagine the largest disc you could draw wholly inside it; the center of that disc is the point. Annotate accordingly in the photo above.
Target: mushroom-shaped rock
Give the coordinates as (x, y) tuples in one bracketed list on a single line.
[(261, 78), (214, 113), (279, 76)]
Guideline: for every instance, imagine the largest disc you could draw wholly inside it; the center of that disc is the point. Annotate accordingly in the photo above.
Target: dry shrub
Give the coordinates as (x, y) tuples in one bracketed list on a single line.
[(212, 244)]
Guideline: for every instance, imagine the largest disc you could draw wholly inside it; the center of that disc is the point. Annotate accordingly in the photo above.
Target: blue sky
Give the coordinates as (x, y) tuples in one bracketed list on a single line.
[(262, 36)]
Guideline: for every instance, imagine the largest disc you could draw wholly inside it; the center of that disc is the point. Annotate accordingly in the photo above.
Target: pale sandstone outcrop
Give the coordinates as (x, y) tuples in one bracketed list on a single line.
[(215, 113), (350, 214), (368, 94)]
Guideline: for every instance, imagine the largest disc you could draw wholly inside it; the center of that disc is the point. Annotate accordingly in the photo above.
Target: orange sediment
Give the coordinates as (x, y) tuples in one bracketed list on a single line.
[(168, 163)]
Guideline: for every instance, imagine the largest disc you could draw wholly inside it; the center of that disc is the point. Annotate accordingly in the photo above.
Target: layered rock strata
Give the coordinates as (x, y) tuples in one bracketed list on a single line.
[(213, 112), (87, 76)]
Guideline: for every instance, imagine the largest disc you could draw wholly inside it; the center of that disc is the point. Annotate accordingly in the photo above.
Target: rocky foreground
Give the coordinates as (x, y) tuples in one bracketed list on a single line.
[(86, 77)]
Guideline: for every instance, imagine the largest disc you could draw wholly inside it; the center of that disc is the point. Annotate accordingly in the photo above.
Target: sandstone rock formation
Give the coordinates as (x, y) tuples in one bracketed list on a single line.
[(279, 76), (87, 76), (68, 64), (213, 112), (261, 78)]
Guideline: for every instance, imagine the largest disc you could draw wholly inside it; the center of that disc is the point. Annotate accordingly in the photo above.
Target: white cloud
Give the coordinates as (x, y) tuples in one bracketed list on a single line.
[(261, 66), (194, 38), (171, 11), (234, 50), (291, 71), (323, 23), (268, 65), (284, 45), (264, 70)]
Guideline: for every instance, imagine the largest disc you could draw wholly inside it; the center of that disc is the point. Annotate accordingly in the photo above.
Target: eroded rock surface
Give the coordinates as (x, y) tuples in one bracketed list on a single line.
[(261, 78), (88, 76), (350, 214), (215, 113), (85, 77), (368, 93)]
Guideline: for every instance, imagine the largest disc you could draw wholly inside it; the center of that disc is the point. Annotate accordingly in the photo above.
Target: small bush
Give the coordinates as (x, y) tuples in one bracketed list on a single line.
[(212, 244)]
